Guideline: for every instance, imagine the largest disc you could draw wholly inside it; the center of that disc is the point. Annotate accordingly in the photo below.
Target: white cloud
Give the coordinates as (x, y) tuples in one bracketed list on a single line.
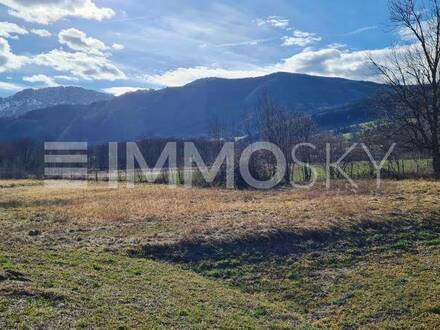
[(89, 61), (41, 33), (67, 78), (117, 91), (300, 38), (337, 45), (329, 62), (274, 21), (118, 46), (88, 64), (254, 42), (360, 30), (81, 65), (8, 60), (182, 76), (79, 41), (41, 78), (407, 35), (49, 11), (10, 87), (10, 30)]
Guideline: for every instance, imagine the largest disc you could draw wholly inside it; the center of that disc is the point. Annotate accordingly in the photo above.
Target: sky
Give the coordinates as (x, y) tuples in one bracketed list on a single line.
[(123, 45)]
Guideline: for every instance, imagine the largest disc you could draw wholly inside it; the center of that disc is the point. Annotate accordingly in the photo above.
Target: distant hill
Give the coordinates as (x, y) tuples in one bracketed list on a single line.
[(187, 111), (351, 114), (32, 99)]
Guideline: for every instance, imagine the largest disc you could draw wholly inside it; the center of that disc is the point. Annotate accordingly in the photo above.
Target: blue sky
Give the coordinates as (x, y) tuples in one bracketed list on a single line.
[(120, 45)]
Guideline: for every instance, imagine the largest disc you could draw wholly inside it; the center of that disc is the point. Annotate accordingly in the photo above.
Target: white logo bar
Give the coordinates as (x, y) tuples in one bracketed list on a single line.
[(71, 158), (60, 146), (65, 159)]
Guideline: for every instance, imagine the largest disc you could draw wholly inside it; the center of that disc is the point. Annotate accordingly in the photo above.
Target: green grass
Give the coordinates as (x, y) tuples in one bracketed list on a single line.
[(86, 289), (358, 170), (377, 279), (381, 279), (372, 275)]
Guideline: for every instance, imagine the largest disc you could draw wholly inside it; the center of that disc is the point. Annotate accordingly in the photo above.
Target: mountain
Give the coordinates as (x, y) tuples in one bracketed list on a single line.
[(351, 114), (32, 99), (186, 111)]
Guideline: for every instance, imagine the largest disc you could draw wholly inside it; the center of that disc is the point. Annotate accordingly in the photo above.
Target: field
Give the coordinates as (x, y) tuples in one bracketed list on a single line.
[(405, 168), (160, 257)]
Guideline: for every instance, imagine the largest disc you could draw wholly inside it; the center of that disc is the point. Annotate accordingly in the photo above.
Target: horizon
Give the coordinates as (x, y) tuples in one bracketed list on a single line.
[(118, 47), (115, 94)]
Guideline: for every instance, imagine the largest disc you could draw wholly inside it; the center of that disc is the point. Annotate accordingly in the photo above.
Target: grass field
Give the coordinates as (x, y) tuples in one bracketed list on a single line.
[(405, 168), (364, 169), (160, 257)]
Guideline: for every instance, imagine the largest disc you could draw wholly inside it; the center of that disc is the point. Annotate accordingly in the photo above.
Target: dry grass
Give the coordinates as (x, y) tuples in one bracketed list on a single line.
[(19, 183), (160, 214), (63, 260)]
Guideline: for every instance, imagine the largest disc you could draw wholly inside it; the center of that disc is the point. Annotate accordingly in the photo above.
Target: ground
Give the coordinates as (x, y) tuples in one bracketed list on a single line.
[(160, 257)]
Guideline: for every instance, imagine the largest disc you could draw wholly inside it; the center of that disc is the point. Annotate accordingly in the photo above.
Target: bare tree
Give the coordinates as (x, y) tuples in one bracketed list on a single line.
[(217, 129), (284, 128), (413, 73)]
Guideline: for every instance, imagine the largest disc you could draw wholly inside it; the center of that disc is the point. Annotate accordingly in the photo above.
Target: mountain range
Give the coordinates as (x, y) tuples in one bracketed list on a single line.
[(188, 111), (33, 99)]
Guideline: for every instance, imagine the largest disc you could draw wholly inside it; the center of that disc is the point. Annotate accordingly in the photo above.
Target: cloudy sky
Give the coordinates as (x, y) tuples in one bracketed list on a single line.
[(119, 45)]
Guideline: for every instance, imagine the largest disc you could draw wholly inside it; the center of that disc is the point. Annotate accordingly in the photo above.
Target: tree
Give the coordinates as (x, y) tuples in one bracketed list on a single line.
[(413, 73), (285, 129), (217, 129)]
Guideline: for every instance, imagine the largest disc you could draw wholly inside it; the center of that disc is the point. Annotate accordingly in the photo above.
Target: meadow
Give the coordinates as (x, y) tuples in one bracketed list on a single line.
[(161, 257), (395, 169)]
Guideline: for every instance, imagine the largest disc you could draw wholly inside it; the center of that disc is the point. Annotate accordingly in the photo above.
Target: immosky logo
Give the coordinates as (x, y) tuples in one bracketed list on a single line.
[(76, 153)]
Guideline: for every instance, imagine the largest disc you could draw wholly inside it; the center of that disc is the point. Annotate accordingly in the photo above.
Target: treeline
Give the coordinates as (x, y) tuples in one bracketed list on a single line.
[(21, 159), (25, 158)]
